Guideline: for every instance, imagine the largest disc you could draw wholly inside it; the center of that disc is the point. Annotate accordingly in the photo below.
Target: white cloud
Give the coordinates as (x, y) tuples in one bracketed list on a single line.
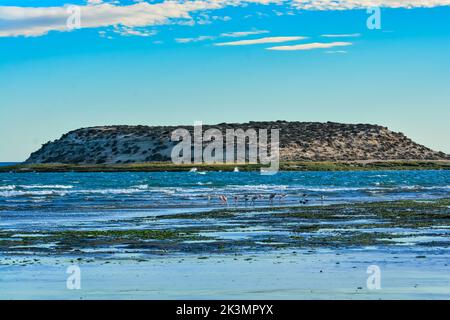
[(360, 4), (238, 34), (196, 39), (37, 21), (128, 31), (222, 35), (204, 18), (310, 46), (259, 41), (348, 35)]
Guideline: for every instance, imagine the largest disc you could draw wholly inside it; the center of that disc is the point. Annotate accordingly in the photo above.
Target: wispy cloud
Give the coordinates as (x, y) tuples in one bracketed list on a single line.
[(239, 34), (196, 39), (204, 18), (235, 34), (310, 46), (361, 4), (345, 35), (128, 31), (260, 41)]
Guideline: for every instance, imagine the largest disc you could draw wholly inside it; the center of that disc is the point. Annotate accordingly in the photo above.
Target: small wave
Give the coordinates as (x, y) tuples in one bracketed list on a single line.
[(155, 189), (378, 188), (12, 187), (21, 193), (141, 186), (111, 191), (436, 187), (258, 187), (335, 189), (63, 192), (44, 186)]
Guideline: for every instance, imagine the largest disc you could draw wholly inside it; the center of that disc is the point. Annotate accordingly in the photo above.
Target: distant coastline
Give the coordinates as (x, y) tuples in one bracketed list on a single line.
[(284, 166), (6, 164)]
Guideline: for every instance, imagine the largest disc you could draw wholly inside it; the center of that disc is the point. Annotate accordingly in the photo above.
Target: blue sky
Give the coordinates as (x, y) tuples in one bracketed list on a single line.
[(159, 63)]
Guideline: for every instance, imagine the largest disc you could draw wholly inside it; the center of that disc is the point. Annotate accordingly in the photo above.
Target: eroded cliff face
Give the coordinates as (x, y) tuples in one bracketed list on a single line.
[(298, 141)]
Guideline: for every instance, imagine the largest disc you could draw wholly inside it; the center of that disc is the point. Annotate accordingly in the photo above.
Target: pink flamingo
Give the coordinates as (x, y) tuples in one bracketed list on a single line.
[(224, 199)]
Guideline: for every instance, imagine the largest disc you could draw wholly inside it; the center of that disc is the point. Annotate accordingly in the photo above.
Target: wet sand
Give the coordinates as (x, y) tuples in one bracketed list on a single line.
[(301, 274)]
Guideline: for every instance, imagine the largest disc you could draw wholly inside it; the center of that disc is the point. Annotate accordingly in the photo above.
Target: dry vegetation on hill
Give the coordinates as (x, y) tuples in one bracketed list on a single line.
[(299, 141)]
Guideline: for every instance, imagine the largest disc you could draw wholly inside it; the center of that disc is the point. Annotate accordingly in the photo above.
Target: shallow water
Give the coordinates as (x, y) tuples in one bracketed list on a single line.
[(49, 200), (85, 191), (222, 240)]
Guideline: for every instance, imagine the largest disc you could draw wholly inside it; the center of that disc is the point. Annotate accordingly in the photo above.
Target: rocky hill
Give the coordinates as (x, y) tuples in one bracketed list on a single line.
[(298, 141)]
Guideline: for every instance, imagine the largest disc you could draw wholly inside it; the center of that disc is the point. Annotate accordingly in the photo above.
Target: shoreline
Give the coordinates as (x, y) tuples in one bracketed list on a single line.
[(357, 165)]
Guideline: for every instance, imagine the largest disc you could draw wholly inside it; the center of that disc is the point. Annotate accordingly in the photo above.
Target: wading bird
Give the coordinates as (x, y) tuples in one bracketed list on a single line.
[(223, 198)]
